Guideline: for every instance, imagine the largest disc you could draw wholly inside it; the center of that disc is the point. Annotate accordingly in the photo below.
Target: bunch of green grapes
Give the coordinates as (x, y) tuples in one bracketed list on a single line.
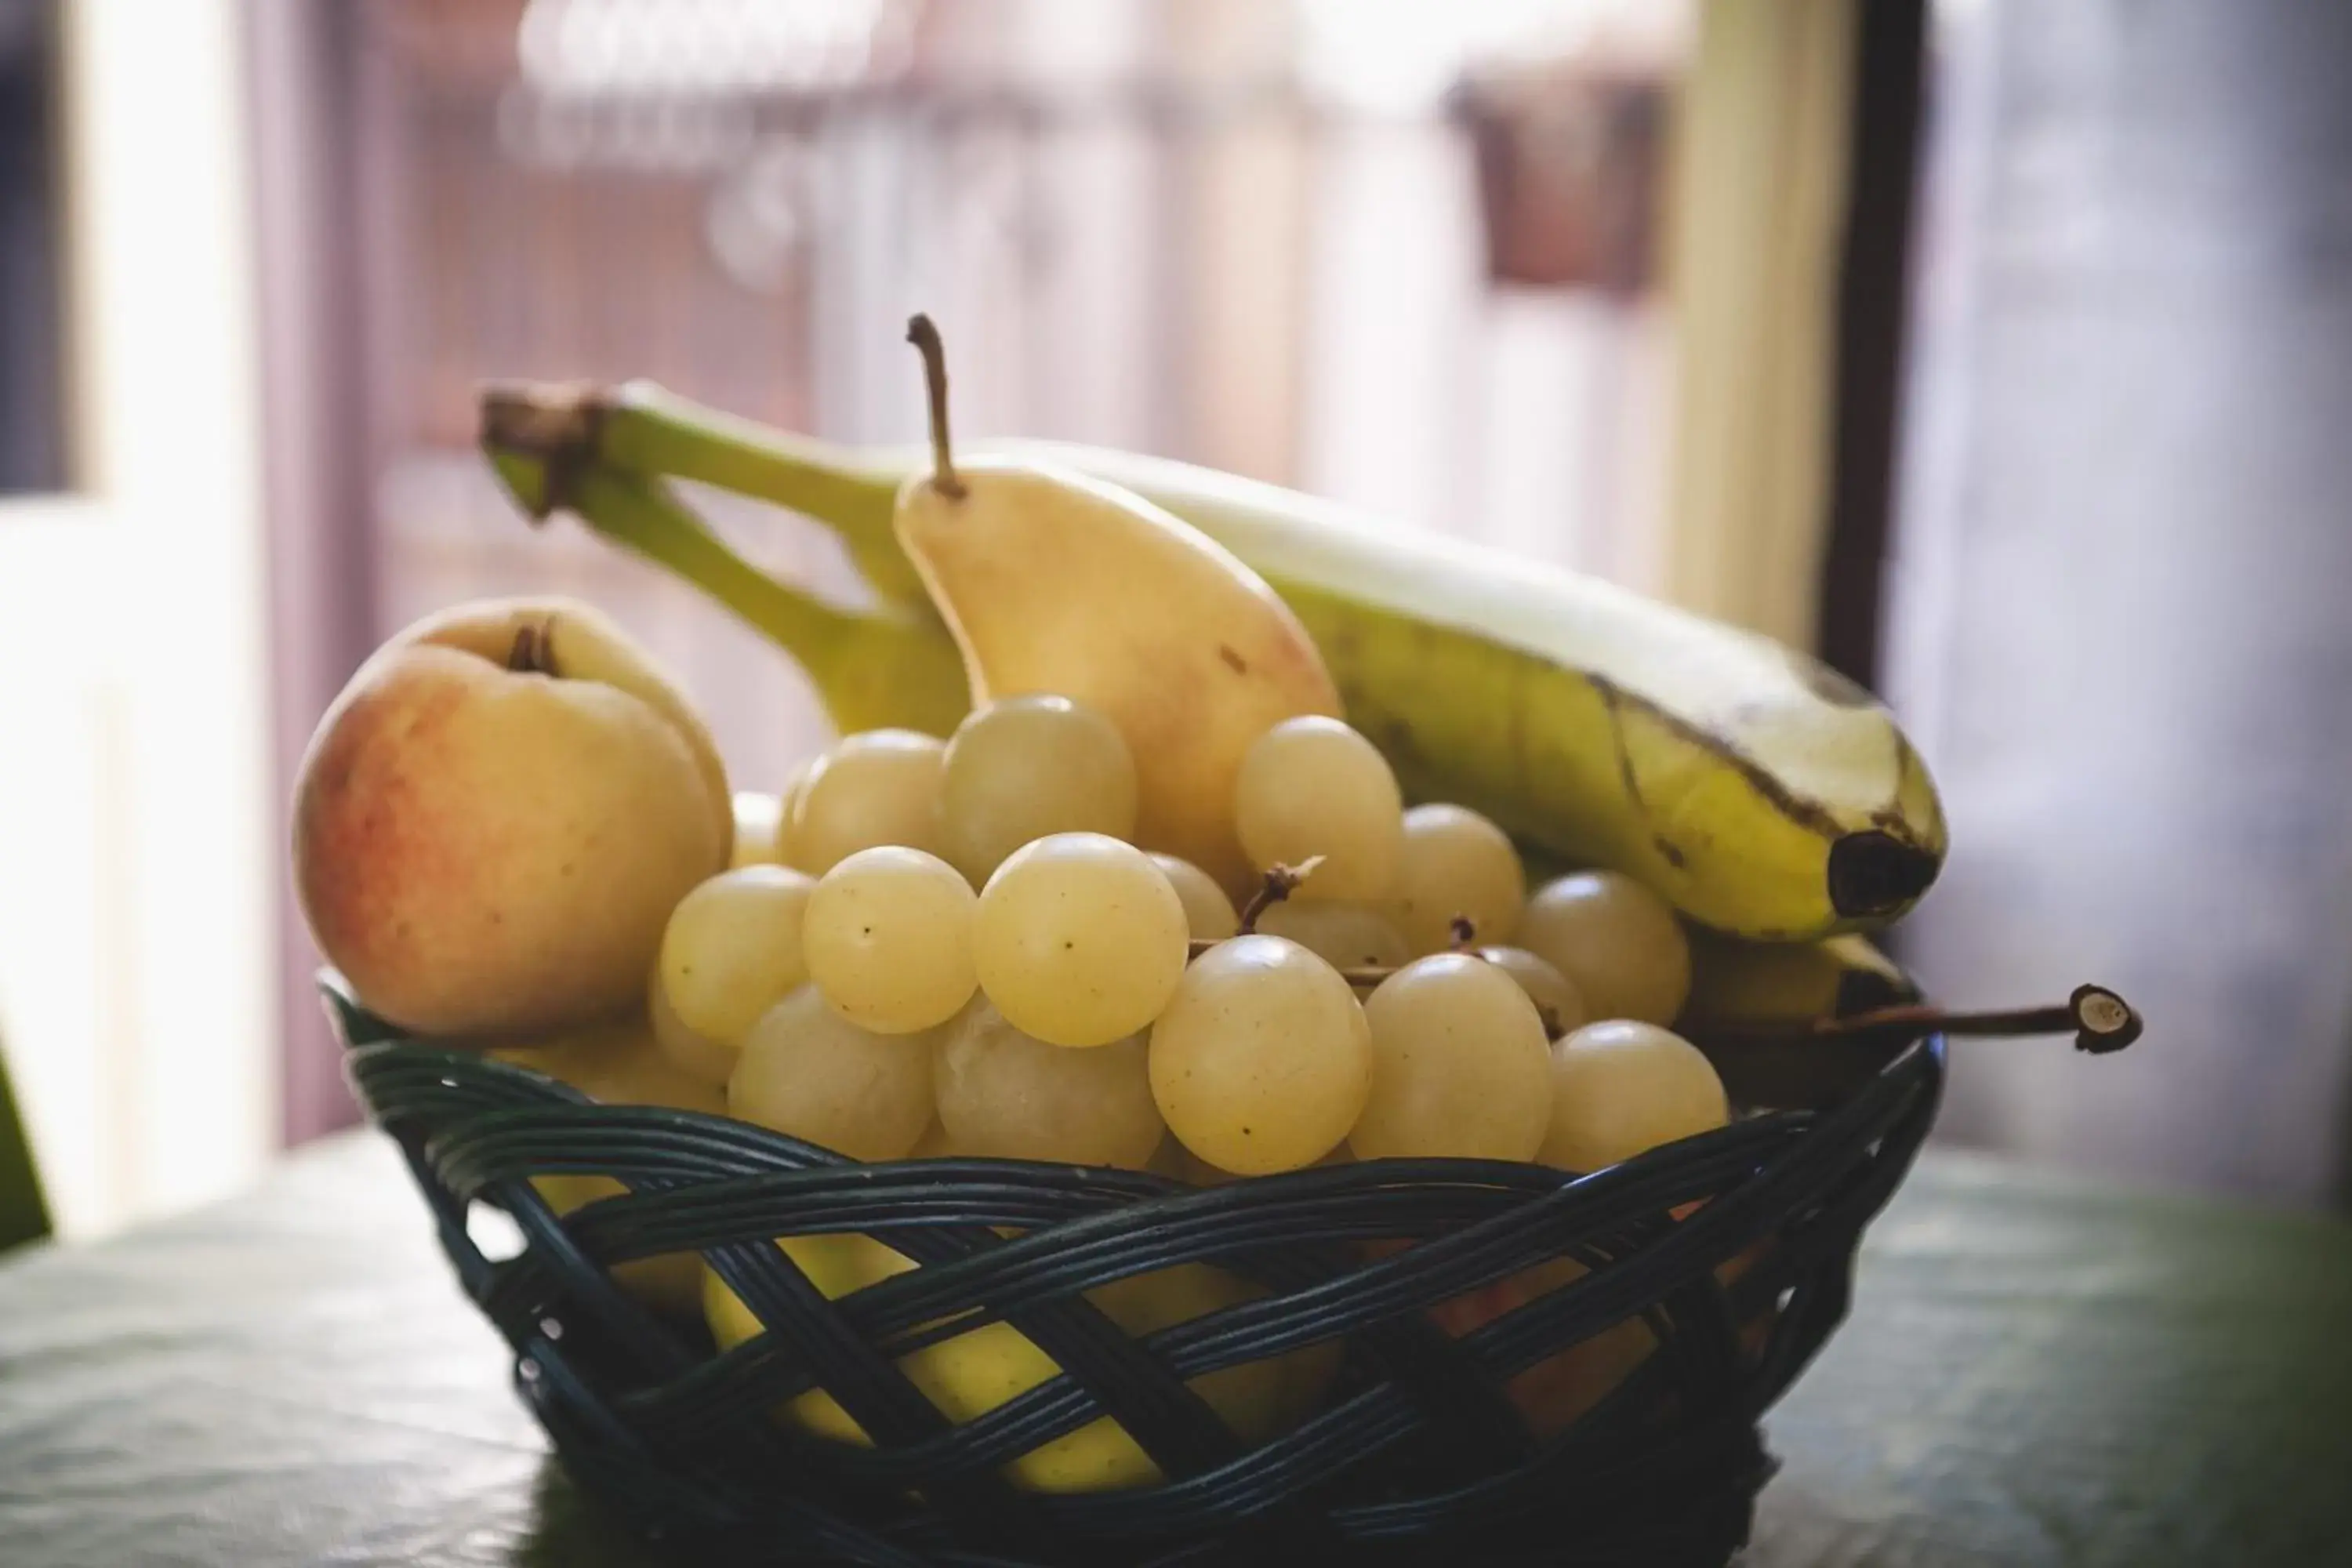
[(936, 950), (957, 949)]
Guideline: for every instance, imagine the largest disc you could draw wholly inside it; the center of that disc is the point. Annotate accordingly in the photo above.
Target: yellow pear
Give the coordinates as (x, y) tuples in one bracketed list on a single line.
[(1053, 582)]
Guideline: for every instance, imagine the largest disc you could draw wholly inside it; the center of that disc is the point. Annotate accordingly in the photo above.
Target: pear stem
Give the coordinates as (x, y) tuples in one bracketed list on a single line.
[(925, 336)]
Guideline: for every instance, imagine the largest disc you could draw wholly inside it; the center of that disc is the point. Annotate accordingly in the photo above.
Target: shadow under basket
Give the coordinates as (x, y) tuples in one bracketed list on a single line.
[(1431, 1437)]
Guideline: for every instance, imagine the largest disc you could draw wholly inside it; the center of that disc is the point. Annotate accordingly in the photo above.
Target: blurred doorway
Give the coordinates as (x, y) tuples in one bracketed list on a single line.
[(136, 970)]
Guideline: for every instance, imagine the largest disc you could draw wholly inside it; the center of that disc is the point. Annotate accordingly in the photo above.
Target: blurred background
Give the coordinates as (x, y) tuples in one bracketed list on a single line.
[(2000, 352)]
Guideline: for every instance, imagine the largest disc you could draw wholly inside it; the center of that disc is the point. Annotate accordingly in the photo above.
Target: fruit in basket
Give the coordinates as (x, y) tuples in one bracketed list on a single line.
[(1079, 938), (495, 816), (1345, 936), (573, 640), (888, 940), (1051, 581), (1262, 1060), (975, 1372), (698, 1055), (1022, 767), (616, 1061), (1460, 1068), (1555, 1391), (1621, 1087), (787, 801), (1209, 914), (875, 787), (806, 1072), (1557, 1002), (1615, 939), (759, 829), (1748, 983), (1455, 863), (1004, 1094), (732, 950), (1758, 792), (934, 1144), (1313, 789)]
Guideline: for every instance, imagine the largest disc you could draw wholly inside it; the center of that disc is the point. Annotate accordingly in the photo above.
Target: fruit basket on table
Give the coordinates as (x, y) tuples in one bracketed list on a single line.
[(1337, 1243)]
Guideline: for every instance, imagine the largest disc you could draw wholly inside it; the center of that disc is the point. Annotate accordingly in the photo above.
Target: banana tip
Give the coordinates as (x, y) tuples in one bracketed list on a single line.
[(1875, 873)]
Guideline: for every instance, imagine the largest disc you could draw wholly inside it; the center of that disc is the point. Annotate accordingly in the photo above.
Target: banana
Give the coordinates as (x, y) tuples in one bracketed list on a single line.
[(1741, 990), (892, 667), (1763, 794), (1736, 984)]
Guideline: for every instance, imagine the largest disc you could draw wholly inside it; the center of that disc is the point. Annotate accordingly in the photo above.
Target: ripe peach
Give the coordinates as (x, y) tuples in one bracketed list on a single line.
[(497, 816)]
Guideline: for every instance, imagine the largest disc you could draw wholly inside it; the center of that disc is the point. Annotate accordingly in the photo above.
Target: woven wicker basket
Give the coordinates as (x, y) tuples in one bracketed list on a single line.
[(1418, 1454)]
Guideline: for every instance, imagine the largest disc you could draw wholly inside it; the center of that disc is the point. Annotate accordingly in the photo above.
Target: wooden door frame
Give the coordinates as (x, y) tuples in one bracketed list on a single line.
[(305, 75), (1873, 311)]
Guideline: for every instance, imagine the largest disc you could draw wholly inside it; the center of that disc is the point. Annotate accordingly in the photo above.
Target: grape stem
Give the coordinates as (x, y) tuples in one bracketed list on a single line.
[(1280, 882), (1361, 974), (2101, 1021)]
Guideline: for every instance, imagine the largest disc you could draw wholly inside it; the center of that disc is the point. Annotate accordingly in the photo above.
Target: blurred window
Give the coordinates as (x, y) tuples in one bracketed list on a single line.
[(1398, 253)]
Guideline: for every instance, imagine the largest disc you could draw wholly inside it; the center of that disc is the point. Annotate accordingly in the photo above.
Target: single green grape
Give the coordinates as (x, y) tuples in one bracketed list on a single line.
[(1208, 914), (806, 1072), (1556, 997), (706, 1059), (1262, 1060), (732, 948), (888, 939), (1617, 943), (1023, 767), (1456, 863), (880, 786), (1004, 1094), (1459, 1065), (1345, 936), (1312, 787), (1621, 1087), (1079, 938), (759, 829)]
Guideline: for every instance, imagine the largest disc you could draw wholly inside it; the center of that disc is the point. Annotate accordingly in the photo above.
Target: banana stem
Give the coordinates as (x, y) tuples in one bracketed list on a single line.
[(641, 515), (644, 429), (656, 432)]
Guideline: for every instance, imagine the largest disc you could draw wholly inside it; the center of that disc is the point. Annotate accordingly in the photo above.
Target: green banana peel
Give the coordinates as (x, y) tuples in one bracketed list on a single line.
[(896, 667), (1762, 794)]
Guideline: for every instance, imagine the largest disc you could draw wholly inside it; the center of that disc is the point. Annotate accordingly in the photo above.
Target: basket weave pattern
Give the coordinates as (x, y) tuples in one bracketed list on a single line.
[(1417, 1451)]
